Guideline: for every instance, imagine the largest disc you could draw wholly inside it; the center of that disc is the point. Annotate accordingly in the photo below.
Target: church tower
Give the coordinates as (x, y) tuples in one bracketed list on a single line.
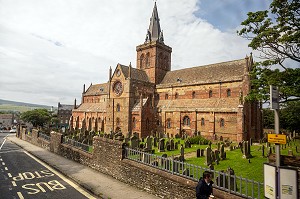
[(154, 57)]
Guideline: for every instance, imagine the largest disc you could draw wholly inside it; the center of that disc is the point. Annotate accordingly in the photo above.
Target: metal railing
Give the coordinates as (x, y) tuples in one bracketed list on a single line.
[(79, 145), (44, 136), (231, 183)]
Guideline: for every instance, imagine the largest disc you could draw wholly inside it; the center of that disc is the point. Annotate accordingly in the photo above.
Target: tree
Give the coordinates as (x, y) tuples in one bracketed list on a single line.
[(290, 117), (37, 117), (275, 34)]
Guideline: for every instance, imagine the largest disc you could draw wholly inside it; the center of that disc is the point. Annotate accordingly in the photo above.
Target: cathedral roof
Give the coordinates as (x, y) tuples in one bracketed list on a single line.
[(225, 71), (211, 104), (136, 74), (92, 107), (97, 89)]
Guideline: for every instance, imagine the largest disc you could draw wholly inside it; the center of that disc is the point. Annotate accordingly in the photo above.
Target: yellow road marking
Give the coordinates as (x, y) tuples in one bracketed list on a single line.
[(14, 183), (20, 195), (9, 175), (79, 189)]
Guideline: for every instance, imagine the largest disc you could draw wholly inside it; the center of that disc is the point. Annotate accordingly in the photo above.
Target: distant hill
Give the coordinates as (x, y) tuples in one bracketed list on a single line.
[(12, 106)]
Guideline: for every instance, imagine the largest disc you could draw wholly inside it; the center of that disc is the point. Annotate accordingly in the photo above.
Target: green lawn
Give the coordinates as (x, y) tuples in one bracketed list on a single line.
[(235, 160)]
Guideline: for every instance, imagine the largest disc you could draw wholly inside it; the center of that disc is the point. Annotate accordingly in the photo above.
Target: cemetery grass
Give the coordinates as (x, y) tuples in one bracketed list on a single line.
[(234, 159)]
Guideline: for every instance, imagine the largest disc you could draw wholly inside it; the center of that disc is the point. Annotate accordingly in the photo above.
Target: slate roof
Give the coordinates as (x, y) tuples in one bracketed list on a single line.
[(92, 107), (212, 104), (225, 71), (65, 107), (97, 89), (135, 73)]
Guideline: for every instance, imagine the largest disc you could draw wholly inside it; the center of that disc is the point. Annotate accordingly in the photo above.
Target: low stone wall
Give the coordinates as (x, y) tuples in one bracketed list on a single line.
[(107, 158)]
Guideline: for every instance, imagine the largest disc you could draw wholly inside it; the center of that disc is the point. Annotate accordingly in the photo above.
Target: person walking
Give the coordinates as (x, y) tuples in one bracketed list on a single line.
[(204, 188)]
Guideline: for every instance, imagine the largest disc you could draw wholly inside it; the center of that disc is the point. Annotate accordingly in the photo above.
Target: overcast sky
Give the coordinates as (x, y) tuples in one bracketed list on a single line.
[(50, 48)]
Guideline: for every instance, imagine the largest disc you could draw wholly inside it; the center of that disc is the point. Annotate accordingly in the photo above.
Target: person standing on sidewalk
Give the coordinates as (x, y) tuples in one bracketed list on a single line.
[(204, 188)]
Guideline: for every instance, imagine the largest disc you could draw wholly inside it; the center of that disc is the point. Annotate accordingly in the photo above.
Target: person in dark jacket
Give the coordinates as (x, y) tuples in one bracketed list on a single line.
[(204, 187)]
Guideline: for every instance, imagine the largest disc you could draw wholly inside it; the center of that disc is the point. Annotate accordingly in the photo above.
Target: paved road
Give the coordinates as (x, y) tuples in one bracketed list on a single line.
[(24, 176)]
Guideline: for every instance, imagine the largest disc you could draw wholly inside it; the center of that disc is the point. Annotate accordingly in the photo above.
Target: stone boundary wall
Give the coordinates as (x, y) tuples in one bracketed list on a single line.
[(107, 158)]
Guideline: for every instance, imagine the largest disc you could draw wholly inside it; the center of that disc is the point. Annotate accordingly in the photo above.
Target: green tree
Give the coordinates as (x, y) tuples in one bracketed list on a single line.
[(276, 34), (290, 117), (37, 117)]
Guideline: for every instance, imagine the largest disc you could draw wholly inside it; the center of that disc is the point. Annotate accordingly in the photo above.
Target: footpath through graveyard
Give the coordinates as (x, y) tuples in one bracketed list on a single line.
[(97, 183)]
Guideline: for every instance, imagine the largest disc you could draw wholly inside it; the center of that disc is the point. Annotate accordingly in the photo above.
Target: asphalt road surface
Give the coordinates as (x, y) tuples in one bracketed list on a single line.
[(24, 176)]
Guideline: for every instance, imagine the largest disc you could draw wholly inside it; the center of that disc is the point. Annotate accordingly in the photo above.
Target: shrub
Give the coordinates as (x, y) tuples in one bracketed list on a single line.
[(198, 139)]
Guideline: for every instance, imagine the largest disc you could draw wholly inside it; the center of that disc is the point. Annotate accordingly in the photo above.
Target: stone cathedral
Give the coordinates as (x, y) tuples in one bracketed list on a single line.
[(151, 99)]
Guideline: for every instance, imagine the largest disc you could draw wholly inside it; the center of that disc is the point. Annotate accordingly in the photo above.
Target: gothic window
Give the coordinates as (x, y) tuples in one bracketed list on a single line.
[(166, 96), (134, 123), (228, 92), (118, 108), (147, 124), (193, 94), (147, 60), (210, 93), (186, 121), (168, 123), (142, 61), (222, 122), (118, 122), (202, 122), (176, 95)]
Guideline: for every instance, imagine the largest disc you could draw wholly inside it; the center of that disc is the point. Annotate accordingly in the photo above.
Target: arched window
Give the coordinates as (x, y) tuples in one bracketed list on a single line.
[(147, 60), (193, 94), (133, 123), (168, 123), (222, 122), (228, 92), (118, 122), (118, 108), (142, 61), (202, 122), (166, 96), (176, 95), (186, 121), (210, 93)]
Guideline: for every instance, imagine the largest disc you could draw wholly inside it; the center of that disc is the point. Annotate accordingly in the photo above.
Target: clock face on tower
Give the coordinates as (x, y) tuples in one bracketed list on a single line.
[(118, 88)]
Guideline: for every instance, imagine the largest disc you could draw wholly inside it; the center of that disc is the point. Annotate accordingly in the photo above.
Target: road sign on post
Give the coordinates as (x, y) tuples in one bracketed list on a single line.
[(274, 97)]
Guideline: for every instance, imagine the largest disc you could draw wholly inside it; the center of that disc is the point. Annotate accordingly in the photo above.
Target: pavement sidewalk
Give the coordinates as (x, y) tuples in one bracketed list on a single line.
[(99, 184)]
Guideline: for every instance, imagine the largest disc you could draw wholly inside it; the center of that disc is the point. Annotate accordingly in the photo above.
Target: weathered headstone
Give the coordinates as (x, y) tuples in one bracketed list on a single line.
[(134, 142), (263, 150), (222, 151), (172, 144), (155, 141), (208, 156), (198, 153), (182, 151), (202, 152), (148, 143), (161, 145)]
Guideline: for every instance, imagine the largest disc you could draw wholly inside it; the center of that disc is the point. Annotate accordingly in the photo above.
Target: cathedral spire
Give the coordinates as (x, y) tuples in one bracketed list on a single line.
[(154, 32)]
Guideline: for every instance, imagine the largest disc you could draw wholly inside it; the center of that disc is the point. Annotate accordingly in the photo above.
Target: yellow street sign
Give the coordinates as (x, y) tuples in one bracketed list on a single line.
[(277, 138)]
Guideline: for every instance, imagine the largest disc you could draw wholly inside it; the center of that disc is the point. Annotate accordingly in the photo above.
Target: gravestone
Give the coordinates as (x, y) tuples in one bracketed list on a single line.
[(134, 142), (198, 153), (213, 157), (148, 143), (222, 151), (208, 156), (202, 152), (182, 152), (219, 146), (263, 150), (172, 144), (290, 153), (161, 145), (176, 146), (155, 141)]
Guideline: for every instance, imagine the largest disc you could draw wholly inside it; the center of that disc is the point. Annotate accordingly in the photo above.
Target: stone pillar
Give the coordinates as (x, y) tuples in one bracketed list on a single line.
[(55, 141), (34, 136)]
